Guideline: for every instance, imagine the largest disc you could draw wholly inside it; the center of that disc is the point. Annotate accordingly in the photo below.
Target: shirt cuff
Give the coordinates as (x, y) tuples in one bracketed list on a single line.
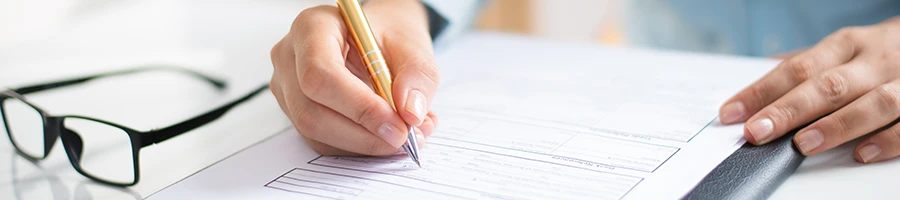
[(436, 22), (450, 18)]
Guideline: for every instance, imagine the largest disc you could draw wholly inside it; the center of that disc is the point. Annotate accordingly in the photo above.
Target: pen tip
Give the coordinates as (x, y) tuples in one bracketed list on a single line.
[(419, 163)]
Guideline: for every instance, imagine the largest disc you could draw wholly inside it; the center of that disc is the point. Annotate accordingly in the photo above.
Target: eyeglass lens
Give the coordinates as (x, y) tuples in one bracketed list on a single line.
[(107, 151), (25, 127)]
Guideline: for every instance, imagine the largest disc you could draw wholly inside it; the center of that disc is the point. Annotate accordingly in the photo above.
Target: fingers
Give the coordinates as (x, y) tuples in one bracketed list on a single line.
[(324, 78), (831, 52), (812, 99), (870, 112), (327, 150), (322, 124), (880, 147), (434, 118), (430, 124), (427, 127)]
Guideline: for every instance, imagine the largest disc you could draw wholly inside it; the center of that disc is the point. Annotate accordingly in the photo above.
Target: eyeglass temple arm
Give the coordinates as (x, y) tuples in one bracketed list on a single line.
[(163, 134), (219, 84)]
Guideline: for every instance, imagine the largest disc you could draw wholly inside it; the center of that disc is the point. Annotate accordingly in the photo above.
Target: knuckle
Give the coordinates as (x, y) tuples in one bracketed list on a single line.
[(312, 81), (851, 34), (888, 97), (761, 92), (281, 56), (427, 69), (840, 124), (305, 121), (801, 69), (313, 16), (275, 53), (782, 113), (888, 57), (368, 114), (832, 86), (894, 139), (274, 86)]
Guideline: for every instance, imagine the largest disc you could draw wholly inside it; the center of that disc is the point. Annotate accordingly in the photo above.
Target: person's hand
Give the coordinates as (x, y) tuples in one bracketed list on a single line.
[(325, 90), (844, 87)]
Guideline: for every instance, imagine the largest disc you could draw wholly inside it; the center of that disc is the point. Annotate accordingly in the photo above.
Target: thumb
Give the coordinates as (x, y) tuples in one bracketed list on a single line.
[(406, 46), (416, 76)]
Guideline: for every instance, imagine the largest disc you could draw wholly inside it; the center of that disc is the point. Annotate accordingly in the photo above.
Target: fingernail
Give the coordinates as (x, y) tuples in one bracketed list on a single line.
[(733, 112), (869, 152), (761, 129), (809, 140), (415, 103), (391, 134)]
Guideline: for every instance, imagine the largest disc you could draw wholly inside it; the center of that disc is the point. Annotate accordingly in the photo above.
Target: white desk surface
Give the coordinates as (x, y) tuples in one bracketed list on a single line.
[(230, 39)]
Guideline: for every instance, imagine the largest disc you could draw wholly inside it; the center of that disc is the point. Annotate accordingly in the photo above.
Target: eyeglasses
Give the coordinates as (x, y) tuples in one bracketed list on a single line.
[(100, 150)]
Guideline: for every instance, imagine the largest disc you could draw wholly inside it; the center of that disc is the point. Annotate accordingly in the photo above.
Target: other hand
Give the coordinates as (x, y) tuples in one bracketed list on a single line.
[(843, 88)]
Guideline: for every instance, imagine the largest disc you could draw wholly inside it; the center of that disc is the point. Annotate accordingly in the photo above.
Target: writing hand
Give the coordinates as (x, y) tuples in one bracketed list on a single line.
[(325, 90)]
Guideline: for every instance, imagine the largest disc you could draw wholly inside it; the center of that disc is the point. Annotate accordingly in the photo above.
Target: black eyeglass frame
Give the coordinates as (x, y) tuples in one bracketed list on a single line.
[(54, 126)]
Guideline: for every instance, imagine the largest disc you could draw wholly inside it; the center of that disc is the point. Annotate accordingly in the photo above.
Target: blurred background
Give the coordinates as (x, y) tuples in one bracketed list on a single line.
[(581, 20), (89, 35)]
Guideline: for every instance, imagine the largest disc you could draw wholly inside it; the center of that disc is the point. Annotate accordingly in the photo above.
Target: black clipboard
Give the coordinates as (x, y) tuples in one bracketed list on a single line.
[(751, 172)]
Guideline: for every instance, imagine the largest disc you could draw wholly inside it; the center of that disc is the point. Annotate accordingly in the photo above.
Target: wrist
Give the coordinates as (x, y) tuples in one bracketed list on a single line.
[(403, 15)]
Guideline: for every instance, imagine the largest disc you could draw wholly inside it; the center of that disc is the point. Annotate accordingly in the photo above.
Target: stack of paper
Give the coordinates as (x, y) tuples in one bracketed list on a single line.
[(524, 119)]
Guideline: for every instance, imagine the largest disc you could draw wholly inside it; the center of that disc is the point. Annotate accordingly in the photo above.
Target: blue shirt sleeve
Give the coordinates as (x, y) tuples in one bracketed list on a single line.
[(746, 27)]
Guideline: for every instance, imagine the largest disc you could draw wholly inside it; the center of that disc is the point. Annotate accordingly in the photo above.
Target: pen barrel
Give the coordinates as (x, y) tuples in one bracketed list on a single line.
[(367, 48), (381, 82), (358, 25)]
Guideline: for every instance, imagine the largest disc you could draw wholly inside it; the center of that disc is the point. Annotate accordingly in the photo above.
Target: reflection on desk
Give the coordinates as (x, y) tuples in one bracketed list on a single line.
[(31, 181)]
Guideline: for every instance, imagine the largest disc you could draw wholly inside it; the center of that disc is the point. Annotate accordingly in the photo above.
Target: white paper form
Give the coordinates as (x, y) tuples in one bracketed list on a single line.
[(524, 119)]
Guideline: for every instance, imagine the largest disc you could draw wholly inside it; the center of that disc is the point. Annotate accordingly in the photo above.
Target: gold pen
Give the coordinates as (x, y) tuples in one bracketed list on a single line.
[(358, 26)]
